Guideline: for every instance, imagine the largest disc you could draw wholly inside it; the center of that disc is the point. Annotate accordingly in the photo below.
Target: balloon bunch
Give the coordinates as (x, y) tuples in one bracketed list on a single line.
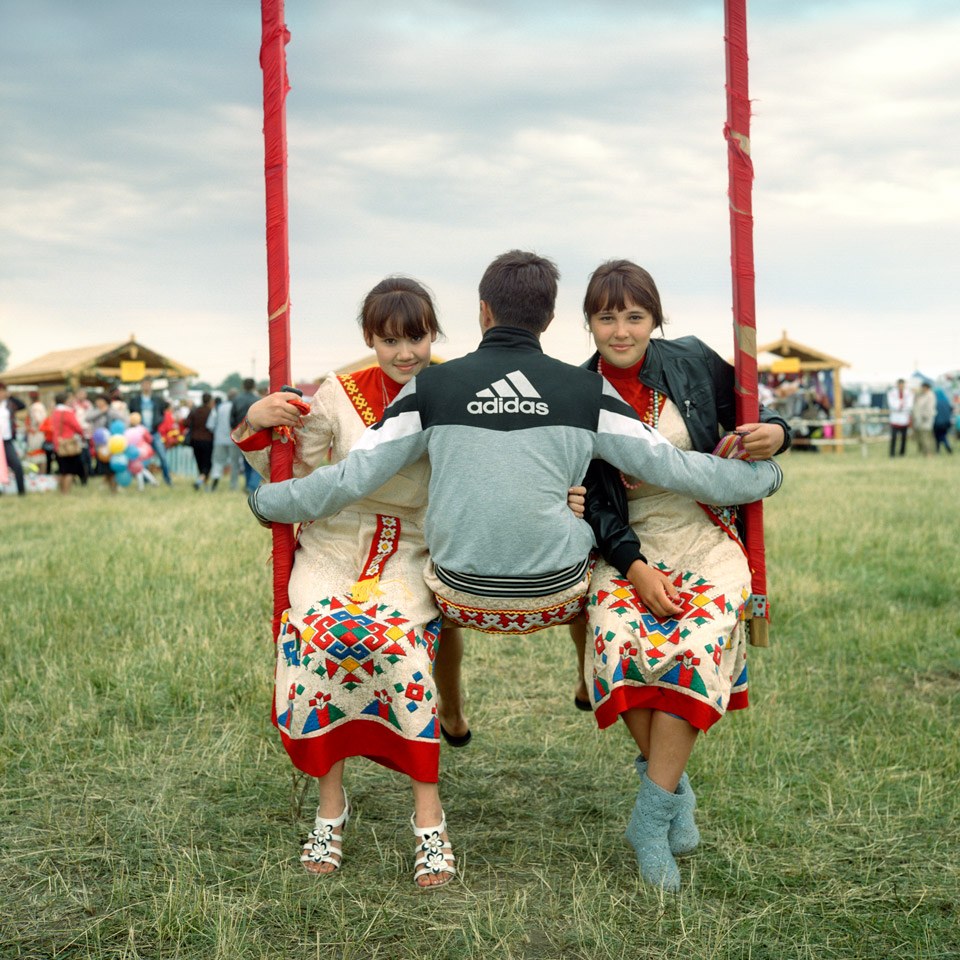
[(126, 449)]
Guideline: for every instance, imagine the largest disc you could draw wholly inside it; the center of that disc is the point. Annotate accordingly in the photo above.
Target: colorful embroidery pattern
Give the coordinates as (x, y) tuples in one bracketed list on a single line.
[(359, 401), (384, 546), (351, 662), (690, 660), (515, 622)]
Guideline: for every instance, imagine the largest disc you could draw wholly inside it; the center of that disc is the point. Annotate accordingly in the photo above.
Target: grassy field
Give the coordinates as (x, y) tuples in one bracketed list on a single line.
[(148, 808)]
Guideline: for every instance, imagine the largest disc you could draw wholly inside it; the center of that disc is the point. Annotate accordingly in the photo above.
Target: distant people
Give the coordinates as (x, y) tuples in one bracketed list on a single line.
[(81, 406), (68, 441), (924, 414), (8, 409), (218, 423), (96, 418), (37, 447), (238, 412), (201, 439), (900, 405), (151, 408), (119, 409), (941, 423)]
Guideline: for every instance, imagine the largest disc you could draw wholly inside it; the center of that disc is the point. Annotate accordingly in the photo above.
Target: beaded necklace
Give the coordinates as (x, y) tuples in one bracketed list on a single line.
[(652, 402)]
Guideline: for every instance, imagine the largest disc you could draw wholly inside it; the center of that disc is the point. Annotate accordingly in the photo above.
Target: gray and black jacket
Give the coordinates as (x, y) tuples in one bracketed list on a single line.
[(508, 430)]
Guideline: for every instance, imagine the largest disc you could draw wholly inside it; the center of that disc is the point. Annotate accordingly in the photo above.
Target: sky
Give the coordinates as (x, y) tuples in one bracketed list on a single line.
[(427, 137)]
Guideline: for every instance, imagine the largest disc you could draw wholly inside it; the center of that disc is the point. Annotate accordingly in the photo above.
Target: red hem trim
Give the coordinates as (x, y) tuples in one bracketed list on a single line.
[(739, 701), (363, 738), (624, 698)]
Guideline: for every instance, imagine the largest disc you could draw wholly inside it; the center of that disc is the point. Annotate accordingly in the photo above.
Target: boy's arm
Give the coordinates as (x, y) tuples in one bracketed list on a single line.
[(630, 445), (383, 449)]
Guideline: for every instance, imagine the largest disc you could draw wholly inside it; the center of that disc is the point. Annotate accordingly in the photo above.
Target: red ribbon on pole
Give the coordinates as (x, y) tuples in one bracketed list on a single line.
[(737, 134), (273, 62)]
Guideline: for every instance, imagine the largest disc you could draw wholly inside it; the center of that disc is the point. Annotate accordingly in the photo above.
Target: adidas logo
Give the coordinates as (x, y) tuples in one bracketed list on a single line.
[(512, 394)]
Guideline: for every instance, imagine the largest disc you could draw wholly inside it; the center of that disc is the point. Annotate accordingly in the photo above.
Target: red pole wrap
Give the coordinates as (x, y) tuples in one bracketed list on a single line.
[(737, 133), (273, 62)]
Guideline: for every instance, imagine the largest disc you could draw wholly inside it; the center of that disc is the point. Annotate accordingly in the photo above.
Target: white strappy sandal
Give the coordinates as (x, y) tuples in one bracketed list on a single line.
[(434, 854), (319, 848)]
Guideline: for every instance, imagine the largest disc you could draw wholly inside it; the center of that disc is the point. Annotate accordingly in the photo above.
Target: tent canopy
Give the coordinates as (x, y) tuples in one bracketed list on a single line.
[(97, 366), (809, 358)]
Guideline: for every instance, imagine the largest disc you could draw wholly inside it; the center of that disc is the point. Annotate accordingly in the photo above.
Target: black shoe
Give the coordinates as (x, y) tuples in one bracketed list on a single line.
[(456, 741), (582, 704)]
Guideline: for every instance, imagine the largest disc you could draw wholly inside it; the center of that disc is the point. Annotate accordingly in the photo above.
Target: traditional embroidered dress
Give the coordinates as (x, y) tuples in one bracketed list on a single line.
[(693, 665), (356, 648)]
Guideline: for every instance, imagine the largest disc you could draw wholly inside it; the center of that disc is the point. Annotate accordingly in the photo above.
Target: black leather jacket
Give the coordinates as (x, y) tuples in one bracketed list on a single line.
[(699, 382)]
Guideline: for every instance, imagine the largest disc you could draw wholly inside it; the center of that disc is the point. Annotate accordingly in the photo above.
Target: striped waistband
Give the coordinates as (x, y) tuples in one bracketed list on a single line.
[(542, 585)]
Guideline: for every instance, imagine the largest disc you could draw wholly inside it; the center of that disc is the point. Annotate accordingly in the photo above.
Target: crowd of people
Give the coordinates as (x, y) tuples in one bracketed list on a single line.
[(59, 442)]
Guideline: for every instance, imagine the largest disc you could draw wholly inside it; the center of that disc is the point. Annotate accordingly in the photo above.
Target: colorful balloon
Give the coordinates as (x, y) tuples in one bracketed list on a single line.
[(124, 478), (132, 452), (146, 451), (118, 463), (103, 453), (132, 435), (135, 466), (100, 436), (117, 426), (117, 443)]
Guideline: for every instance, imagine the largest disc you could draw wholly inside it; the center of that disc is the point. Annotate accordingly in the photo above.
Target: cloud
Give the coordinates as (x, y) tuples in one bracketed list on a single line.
[(428, 137)]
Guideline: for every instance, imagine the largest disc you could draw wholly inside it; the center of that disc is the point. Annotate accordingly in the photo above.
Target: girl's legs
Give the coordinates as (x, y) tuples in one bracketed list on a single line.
[(666, 741), (447, 675), (662, 818), (330, 807), (428, 812), (578, 633)]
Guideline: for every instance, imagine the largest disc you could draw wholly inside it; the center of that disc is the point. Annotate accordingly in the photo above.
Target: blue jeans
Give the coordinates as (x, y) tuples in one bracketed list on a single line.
[(161, 451), (252, 478)]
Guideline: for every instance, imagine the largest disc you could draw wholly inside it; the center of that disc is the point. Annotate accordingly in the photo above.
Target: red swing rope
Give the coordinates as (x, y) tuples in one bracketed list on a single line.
[(737, 133), (273, 62)]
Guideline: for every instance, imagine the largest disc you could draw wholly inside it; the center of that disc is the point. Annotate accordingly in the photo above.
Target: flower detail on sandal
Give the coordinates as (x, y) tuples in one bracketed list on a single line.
[(319, 845), (434, 854)]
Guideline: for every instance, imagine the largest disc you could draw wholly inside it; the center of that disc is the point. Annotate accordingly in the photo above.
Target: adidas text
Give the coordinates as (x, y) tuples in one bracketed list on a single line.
[(510, 405)]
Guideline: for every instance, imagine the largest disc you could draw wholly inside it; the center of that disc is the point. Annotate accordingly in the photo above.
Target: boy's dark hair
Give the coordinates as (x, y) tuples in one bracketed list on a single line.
[(249, 384), (615, 282), (520, 288), (60, 397), (398, 307)]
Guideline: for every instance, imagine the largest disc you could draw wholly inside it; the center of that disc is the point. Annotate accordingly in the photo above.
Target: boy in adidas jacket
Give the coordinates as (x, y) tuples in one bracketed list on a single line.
[(508, 430)]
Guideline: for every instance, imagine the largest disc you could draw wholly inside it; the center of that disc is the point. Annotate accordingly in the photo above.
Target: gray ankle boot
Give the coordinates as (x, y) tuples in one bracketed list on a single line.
[(683, 835), (654, 810)]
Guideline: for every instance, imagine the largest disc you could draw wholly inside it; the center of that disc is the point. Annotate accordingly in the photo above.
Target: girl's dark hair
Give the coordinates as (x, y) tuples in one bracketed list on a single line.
[(398, 307), (615, 282), (60, 397), (205, 399)]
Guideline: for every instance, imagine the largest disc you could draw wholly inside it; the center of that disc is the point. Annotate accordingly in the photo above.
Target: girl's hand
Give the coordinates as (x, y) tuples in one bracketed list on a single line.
[(760, 441), (656, 591), (576, 498), (276, 410)]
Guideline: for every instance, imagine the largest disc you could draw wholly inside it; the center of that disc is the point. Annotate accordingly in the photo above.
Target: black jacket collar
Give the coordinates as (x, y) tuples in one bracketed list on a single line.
[(514, 337)]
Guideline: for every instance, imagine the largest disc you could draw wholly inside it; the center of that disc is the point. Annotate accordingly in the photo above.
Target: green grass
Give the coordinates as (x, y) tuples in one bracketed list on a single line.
[(148, 809)]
